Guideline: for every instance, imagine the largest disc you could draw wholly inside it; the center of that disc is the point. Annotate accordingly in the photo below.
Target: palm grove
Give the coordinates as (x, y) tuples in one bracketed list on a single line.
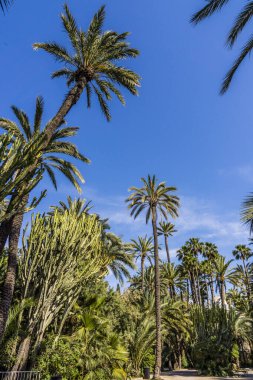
[(57, 312)]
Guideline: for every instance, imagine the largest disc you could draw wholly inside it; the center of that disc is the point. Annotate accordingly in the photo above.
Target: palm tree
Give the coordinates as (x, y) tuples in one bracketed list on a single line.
[(223, 273), (120, 261), (188, 254), (242, 252), (238, 26), (210, 252), (92, 64), (172, 276), (154, 198), (47, 160), (166, 229), (142, 248)]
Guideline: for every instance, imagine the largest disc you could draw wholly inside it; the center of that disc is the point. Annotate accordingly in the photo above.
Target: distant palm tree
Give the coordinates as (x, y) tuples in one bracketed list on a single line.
[(243, 253), (142, 248), (210, 252), (154, 198), (120, 261), (46, 159), (241, 21), (166, 229), (223, 273)]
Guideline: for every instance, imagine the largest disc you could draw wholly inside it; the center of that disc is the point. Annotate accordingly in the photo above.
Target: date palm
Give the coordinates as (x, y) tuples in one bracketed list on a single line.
[(45, 159), (92, 64), (120, 261), (223, 274), (243, 253), (241, 21), (154, 198), (166, 229), (142, 248), (210, 252)]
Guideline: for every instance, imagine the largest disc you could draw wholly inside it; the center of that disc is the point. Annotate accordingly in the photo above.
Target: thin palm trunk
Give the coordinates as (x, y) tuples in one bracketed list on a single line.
[(167, 247), (158, 353), (70, 100), (222, 293), (212, 289), (142, 272), (10, 277), (247, 280)]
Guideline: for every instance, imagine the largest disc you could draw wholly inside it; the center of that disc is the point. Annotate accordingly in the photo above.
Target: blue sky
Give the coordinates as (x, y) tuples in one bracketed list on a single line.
[(178, 128)]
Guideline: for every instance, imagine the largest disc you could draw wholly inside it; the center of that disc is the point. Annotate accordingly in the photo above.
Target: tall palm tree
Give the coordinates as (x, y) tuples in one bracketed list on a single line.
[(241, 21), (166, 229), (172, 276), (243, 253), (210, 252), (223, 274), (155, 198), (142, 248), (46, 160), (92, 65), (188, 254)]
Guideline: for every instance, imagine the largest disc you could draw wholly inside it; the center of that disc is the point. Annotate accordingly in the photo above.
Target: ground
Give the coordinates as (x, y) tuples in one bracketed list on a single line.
[(192, 375)]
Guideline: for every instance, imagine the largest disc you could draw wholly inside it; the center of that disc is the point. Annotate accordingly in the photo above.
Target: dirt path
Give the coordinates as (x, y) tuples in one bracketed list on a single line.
[(192, 375)]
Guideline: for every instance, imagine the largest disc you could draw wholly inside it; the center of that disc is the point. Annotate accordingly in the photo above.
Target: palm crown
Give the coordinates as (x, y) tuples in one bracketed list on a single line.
[(93, 61), (153, 195), (238, 26), (166, 228), (142, 247), (47, 157)]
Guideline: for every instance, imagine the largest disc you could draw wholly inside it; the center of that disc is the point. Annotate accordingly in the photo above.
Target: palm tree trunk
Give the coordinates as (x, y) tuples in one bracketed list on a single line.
[(4, 233), (212, 289), (167, 247), (222, 293), (10, 277), (22, 355), (247, 280), (70, 100), (142, 272), (158, 352)]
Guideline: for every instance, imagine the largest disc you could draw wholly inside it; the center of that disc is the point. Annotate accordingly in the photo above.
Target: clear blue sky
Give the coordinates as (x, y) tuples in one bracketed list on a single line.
[(178, 128)]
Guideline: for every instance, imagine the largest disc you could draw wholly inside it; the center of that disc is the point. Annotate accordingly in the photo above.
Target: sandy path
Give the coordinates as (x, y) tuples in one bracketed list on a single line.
[(192, 375)]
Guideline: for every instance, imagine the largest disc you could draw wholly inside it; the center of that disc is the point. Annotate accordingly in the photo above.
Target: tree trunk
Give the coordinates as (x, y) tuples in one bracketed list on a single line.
[(167, 248), (70, 100), (10, 277), (22, 355), (247, 281), (222, 293), (4, 233), (212, 289), (142, 272), (158, 351)]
